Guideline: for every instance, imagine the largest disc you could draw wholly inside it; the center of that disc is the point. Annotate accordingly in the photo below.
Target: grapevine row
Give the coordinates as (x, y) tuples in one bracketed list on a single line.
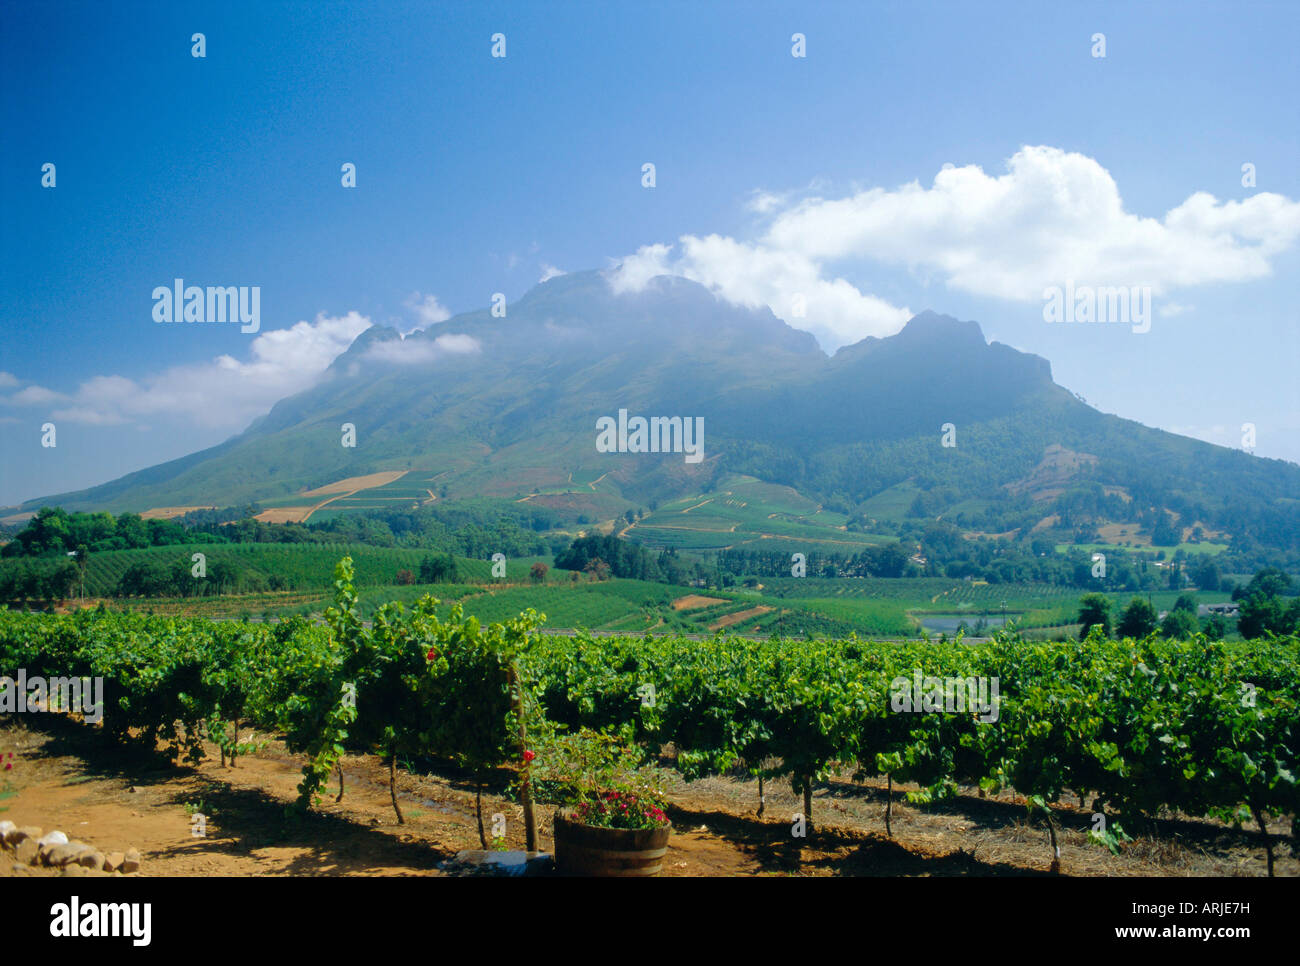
[(1206, 728)]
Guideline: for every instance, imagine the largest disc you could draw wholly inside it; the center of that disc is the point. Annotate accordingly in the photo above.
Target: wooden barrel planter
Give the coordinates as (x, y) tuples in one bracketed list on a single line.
[(589, 850)]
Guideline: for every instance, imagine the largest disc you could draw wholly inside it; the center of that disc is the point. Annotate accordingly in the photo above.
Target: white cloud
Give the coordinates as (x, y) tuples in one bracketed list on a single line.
[(634, 271), (8, 380), (36, 396), (416, 351), (223, 394), (1054, 217), (91, 417), (457, 343), (764, 202), (789, 284), (549, 272), (427, 309)]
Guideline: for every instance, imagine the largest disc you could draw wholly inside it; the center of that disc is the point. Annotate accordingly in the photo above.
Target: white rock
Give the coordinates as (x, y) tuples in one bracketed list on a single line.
[(5, 828), (51, 839)]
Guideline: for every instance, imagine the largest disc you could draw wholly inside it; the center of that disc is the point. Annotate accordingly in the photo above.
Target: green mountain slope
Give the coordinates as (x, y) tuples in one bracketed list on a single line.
[(507, 407)]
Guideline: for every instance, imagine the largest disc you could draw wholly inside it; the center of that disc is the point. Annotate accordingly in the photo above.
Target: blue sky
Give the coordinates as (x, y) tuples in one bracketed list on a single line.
[(775, 176)]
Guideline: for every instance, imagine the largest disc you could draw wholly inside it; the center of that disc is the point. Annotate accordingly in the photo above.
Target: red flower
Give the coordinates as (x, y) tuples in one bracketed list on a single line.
[(432, 655), (9, 766), (529, 756)]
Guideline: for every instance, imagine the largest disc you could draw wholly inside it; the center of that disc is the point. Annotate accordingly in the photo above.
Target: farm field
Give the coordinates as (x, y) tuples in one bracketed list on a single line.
[(747, 513), (880, 607), (892, 503), (302, 566), (374, 490), (617, 604), (1204, 547), (1032, 605), (723, 717), (636, 606)]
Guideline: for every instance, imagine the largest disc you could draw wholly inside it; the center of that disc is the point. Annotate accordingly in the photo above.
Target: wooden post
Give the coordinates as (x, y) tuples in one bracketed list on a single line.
[(525, 784), (392, 786), (807, 801), (889, 804)]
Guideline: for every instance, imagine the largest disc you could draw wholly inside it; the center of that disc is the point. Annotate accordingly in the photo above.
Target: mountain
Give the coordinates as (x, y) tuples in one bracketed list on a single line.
[(484, 407)]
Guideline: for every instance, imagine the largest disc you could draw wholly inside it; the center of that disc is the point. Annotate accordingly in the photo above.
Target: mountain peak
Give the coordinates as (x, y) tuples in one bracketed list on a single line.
[(926, 331), (930, 325)]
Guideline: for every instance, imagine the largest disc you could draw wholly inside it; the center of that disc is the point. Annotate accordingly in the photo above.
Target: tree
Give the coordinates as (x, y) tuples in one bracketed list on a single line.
[(145, 579), (1165, 534), (1262, 615), (1179, 624), (222, 577), (1205, 573), (439, 569), (597, 568), (1175, 575), (1216, 628), (887, 560), (1262, 609), (1139, 619), (537, 572), (1269, 582), (620, 557), (132, 530), (82, 557), (1094, 609), (58, 583), (405, 578)]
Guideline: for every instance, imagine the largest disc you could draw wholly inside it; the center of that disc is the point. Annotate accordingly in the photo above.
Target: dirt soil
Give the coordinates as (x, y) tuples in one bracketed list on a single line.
[(739, 617), (66, 776), (171, 512), (332, 492), (692, 601)]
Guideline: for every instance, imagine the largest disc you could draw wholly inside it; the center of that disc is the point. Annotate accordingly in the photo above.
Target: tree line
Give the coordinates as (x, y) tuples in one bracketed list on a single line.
[(1262, 610)]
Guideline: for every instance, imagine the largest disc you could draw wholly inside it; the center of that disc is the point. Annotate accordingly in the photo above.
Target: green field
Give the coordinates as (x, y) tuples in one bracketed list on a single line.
[(614, 605), (891, 504), (1203, 547), (744, 513), (302, 566), (864, 616), (911, 589), (880, 607)]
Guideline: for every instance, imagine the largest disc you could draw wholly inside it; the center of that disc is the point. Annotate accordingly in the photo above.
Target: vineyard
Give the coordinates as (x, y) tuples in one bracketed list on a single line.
[(300, 566), (1195, 727), (297, 566), (939, 592)]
